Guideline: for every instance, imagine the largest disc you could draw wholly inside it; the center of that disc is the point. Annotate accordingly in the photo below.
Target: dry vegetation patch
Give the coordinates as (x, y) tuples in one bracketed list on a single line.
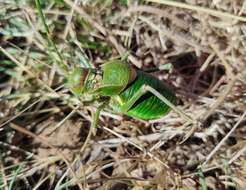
[(200, 50)]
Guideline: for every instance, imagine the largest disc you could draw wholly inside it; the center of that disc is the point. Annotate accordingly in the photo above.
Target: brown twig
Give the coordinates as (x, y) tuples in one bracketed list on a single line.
[(212, 153)]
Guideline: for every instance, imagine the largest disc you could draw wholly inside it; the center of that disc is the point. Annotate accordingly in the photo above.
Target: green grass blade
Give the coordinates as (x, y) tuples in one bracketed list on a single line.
[(50, 42), (202, 180), (12, 182)]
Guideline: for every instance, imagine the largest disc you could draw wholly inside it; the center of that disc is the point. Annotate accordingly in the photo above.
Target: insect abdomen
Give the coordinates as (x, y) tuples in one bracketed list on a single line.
[(148, 106)]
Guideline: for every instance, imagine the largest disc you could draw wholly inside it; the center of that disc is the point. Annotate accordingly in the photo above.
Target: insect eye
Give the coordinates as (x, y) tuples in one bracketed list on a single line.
[(76, 80)]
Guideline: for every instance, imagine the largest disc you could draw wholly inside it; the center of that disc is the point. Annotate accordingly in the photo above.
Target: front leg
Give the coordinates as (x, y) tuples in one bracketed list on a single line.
[(94, 122)]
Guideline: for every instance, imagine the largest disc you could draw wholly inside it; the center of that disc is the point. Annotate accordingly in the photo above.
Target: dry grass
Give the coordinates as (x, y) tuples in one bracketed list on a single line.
[(43, 128)]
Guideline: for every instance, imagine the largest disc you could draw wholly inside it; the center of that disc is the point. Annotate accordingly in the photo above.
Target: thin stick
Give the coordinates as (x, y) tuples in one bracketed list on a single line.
[(87, 17), (200, 9), (137, 146), (69, 20), (43, 180), (63, 120), (19, 64), (3, 176), (231, 77), (52, 12), (206, 63), (238, 154), (18, 114), (224, 139)]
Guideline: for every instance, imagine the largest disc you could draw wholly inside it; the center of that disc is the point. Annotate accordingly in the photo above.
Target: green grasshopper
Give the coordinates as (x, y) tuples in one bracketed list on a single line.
[(125, 90), (122, 88)]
